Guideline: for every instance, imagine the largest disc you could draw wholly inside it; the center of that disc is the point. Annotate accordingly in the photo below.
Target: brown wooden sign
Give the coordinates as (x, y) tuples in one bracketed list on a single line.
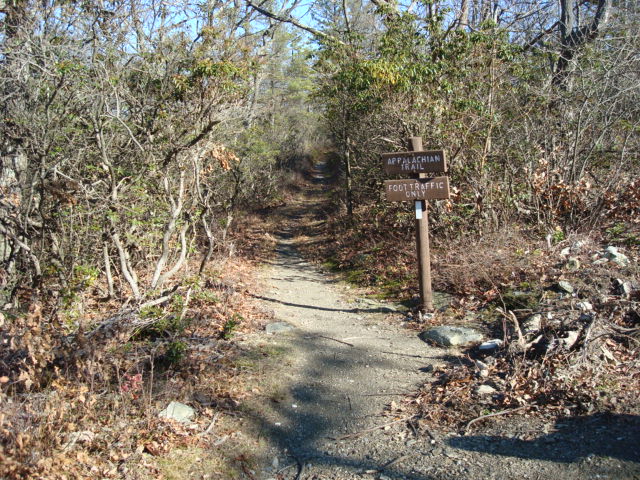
[(407, 190), (430, 161)]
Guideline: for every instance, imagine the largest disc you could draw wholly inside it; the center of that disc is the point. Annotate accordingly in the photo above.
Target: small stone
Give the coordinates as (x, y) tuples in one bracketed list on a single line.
[(573, 264), (565, 252), (485, 390), (483, 368), (584, 306), (490, 345), (616, 257), (577, 245), (491, 361), (179, 412), (565, 286), (571, 338), (449, 336), (601, 261), (532, 324), (623, 288), (278, 327)]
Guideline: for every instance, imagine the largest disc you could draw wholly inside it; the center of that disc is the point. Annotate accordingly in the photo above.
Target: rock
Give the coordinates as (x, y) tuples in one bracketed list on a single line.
[(483, 368), (565, 252), (491, 345), (387, 309), (532, 324), (584, 306), (623, 288), (586, 317), (485, 390), (573, 264), (577, 245), (601, 261), (278, 327), (179, 412), (565, 286), (571, 338), (491, 361), (616, 257), (450, 336)]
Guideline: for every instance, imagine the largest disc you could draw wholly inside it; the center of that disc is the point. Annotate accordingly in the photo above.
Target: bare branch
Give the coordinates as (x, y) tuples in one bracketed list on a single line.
[(294, 22)]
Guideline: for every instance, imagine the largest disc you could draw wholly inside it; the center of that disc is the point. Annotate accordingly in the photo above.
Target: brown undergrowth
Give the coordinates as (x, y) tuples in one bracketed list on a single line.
[(582, 358), (81, 402)]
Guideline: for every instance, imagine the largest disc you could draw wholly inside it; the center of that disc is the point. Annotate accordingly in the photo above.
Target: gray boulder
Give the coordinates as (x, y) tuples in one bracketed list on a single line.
[(449, 336), (179, 412)]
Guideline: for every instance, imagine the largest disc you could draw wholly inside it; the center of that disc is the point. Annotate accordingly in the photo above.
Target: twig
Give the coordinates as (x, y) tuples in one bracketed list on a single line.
[(330, 338), (366, 430), (286, 468), (503, 412), (404, 354), (211, 425)]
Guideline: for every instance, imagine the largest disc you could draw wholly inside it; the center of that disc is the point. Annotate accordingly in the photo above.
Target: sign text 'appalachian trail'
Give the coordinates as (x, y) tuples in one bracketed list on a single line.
[(430, 161)]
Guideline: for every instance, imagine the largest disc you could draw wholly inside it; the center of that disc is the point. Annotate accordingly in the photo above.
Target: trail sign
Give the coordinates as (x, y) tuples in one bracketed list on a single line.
[(407, 190), (429, 161), (420, 189)]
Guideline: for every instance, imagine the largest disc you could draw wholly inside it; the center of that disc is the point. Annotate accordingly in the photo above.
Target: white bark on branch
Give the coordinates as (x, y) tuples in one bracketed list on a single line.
[(176, 210), (294, 22)]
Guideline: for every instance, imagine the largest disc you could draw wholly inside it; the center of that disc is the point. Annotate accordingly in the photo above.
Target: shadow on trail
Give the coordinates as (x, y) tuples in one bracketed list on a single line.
[(356, 310), (314, 416), (604, 435)]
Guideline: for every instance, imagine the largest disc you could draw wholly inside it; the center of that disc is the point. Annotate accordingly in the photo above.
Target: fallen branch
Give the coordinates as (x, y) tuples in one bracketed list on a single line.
[(496, 414), (367, 430)]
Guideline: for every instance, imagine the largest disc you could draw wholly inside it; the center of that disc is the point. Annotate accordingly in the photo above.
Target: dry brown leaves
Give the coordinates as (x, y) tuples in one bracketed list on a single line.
[(77, 411)]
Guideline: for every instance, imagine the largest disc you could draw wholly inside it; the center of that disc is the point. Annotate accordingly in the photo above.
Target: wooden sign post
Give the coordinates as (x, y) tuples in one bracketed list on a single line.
[(420, 189)]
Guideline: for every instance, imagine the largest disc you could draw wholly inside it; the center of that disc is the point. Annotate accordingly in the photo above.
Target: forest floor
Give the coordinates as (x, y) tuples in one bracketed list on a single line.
[(333, 389)]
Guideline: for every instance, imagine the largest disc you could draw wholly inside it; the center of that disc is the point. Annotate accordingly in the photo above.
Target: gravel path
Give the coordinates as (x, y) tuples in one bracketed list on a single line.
[(345, 361)]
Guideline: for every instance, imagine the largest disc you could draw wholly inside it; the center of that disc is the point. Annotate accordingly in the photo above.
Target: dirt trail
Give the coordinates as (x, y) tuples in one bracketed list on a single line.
[(344, 361)]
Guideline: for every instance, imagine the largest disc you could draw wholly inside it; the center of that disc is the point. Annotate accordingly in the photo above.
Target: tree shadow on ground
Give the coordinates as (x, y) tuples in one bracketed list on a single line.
[(313, 420), (357, 310), (574, 439)]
